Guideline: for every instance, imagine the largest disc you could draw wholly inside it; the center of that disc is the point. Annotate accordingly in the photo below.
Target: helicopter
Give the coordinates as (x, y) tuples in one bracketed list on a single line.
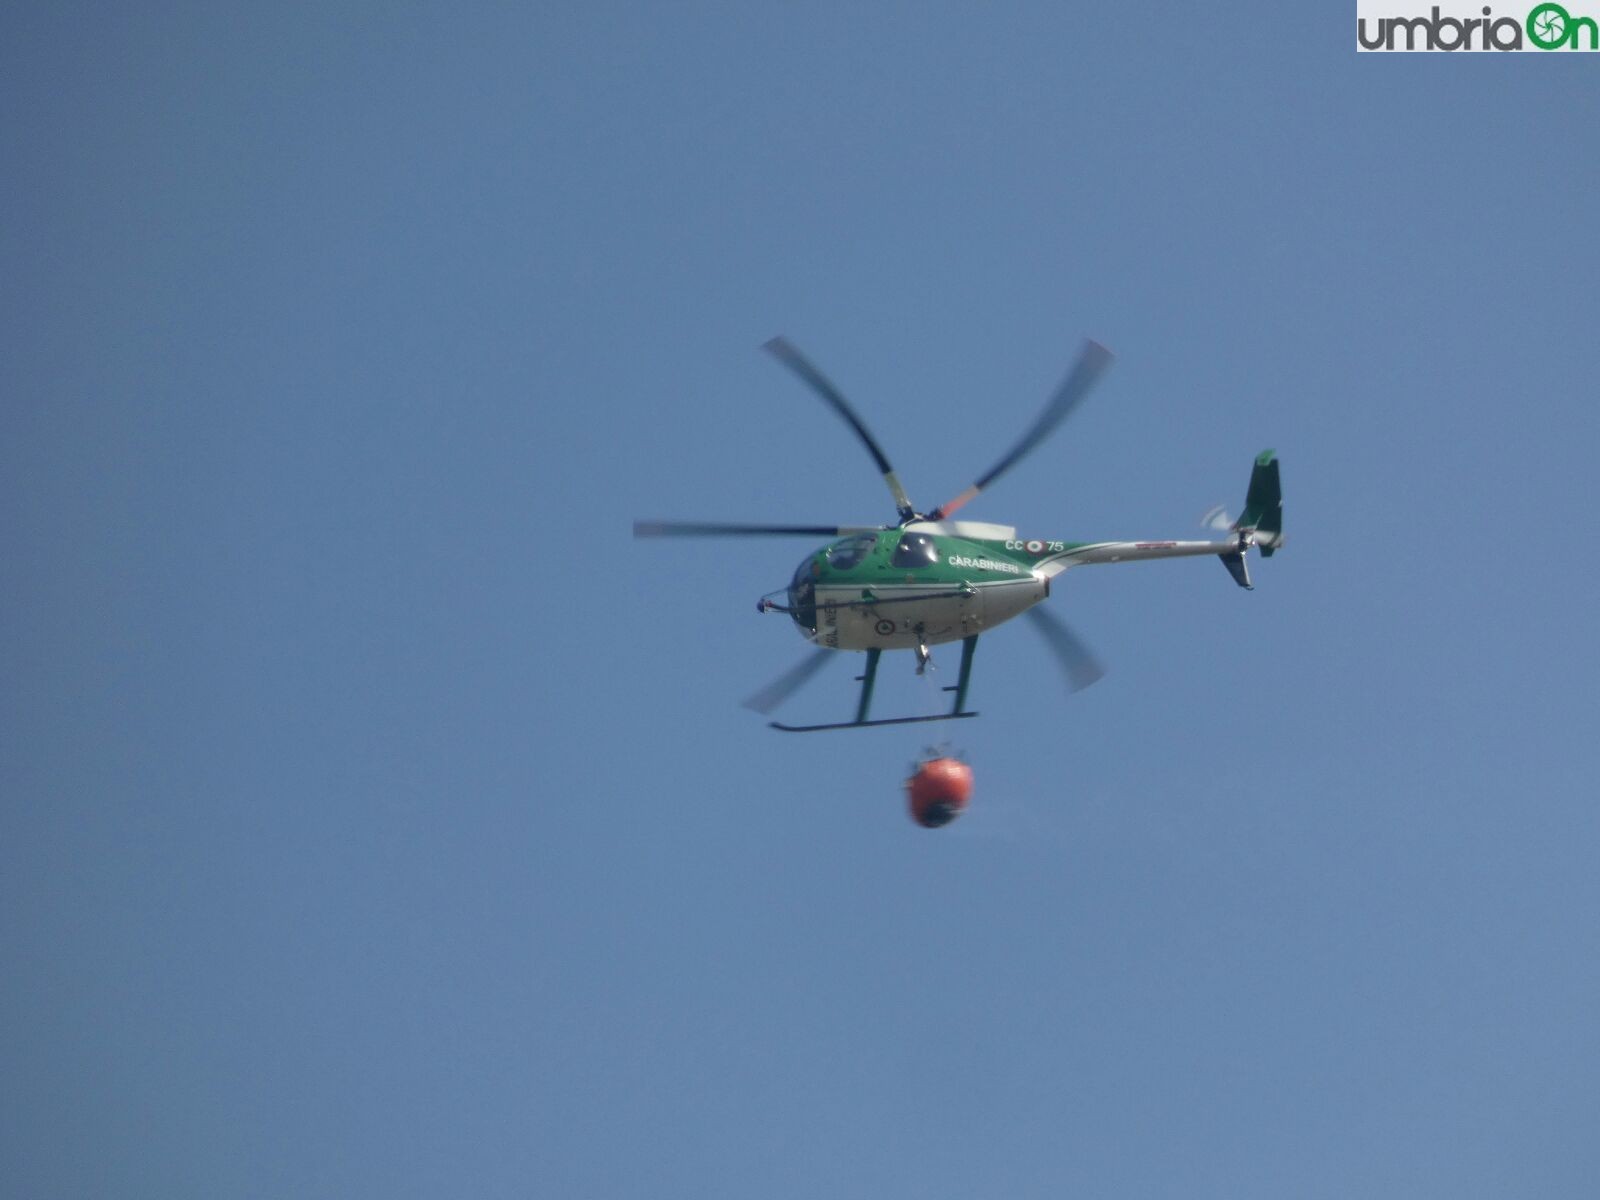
[(927, 579)]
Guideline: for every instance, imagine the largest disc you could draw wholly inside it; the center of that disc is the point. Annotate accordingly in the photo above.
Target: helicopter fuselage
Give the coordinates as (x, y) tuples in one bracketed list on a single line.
[(914, 585)]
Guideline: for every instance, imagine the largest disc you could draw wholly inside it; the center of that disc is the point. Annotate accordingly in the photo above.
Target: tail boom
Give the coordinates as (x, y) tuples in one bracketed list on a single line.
[(1260, 525), (1113, 552)]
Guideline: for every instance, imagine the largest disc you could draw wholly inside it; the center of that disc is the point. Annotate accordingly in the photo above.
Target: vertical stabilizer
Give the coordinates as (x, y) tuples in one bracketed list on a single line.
[(1263, 505)]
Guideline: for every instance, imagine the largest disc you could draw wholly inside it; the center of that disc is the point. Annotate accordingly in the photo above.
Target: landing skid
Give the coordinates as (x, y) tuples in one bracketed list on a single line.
[(968, 645), (864, 724)]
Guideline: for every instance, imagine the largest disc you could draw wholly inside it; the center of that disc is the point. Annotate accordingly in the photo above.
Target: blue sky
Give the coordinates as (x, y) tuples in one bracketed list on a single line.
[(379, 818)]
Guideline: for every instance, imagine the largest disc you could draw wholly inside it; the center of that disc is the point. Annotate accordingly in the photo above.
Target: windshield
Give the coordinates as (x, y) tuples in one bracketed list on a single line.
[(916, 550), (846, 554), (803, 595)]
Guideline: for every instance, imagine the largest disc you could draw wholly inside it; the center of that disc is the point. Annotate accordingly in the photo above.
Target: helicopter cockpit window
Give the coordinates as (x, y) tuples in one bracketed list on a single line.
[(803, 596), (848, 553), (916, 550)]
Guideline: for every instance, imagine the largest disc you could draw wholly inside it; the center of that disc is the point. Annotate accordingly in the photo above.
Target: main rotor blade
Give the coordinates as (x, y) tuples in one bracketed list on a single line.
[(643, 529), (781, 349), (1091, 364), (1080, 665), (781, 688)]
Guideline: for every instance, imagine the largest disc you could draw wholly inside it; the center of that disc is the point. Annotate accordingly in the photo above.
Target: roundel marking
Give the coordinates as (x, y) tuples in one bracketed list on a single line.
[(884, 627), (1035, 547)]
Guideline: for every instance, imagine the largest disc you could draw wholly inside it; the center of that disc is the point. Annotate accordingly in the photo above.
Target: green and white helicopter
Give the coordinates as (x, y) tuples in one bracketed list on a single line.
[(926, 579)]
